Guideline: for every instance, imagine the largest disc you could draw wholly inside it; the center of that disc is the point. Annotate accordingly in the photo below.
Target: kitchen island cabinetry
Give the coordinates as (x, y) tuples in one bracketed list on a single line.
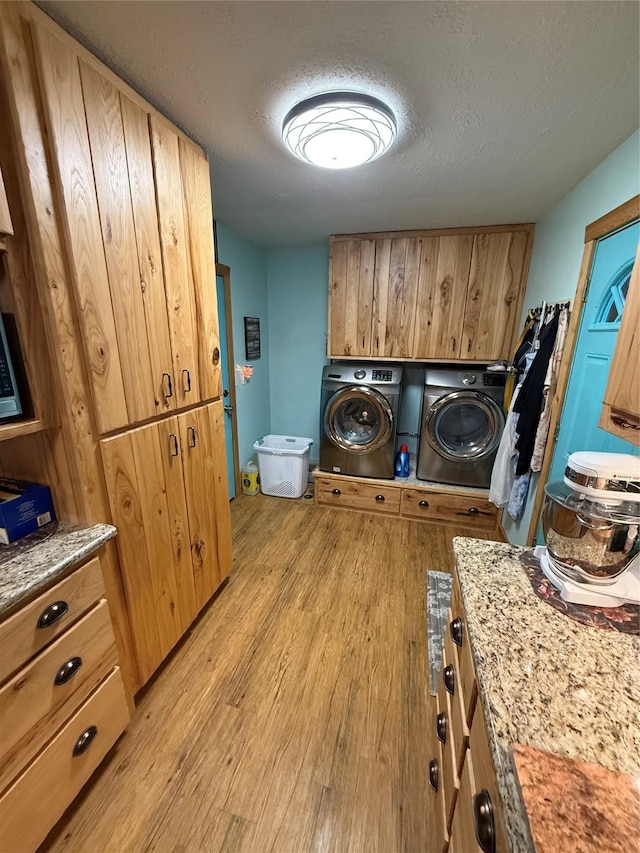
[(168, 495), (451, 294), (621, 404), (516, 671), (62, 698)]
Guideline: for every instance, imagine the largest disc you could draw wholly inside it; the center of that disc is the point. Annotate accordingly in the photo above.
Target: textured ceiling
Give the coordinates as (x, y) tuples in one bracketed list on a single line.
[(502, 107)]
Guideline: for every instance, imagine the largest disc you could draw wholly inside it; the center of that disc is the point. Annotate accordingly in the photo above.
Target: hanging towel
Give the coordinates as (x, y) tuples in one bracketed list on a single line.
[(529, 401), (518, 496), (550, 383)]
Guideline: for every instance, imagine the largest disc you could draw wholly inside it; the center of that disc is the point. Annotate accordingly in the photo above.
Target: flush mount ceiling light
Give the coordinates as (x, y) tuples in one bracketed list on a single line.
[(339, 130)]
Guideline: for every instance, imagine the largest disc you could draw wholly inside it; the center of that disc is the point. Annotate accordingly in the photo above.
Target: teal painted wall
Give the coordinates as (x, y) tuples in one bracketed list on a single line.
[(297, 288), (559, 244), (248, 264)]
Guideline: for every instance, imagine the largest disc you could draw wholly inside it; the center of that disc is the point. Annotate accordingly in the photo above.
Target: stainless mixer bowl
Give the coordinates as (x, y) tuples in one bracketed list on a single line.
[(589, 542)]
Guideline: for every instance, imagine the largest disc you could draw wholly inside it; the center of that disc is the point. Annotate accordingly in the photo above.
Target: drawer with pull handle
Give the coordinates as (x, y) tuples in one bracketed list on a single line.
[(470, 511), (453, 684), (440, 836), (485, 799), (457, 639), (44, 693), (38, 623), (354, 494), (444, 732), (39, 796)]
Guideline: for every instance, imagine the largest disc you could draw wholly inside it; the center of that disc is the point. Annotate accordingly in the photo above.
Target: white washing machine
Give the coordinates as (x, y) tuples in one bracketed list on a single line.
[(462, 422), (358, 418)]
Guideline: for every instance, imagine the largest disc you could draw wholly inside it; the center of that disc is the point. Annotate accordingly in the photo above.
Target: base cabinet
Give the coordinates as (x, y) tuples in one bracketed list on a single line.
[(62, 703), (466, 781), (167, 487), (444, 505)]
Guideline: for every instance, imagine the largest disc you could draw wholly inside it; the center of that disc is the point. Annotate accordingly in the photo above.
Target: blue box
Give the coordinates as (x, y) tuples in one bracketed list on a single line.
[(24, 507)]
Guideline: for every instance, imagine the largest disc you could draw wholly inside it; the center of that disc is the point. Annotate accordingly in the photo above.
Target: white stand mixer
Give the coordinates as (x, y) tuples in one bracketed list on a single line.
[(591, 523)]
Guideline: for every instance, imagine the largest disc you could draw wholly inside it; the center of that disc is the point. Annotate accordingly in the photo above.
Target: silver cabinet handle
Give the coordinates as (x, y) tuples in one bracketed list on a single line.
[(169, 392), (173, 440), (484, 821), (191, 431), (186, 380), (623, 423)]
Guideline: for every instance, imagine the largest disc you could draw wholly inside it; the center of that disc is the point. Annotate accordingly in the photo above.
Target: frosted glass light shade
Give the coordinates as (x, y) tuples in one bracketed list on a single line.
[(339, 130)]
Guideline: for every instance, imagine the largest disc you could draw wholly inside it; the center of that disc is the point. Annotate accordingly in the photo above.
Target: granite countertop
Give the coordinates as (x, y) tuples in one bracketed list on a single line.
[(544, 680), (31, 569)]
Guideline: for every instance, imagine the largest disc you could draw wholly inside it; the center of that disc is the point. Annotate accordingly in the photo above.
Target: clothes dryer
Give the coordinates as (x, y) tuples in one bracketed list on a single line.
[(358, 418), (462, 422)]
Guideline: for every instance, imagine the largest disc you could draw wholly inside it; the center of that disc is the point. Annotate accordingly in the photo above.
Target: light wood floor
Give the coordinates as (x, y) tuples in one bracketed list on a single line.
[(293, 715)]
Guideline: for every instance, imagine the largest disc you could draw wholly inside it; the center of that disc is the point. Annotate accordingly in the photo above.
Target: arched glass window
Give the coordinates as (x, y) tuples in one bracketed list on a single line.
[(609, 311)]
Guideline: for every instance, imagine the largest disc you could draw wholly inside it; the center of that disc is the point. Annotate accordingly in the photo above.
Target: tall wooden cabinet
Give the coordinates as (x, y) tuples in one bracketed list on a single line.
[(114, 211), (449, 295)]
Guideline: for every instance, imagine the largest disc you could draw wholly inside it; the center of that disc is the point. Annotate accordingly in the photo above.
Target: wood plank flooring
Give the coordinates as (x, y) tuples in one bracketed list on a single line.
[(293, 715)]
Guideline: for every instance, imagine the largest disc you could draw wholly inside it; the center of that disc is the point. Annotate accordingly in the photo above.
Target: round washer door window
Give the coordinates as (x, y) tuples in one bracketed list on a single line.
[(358, 419), (464, 425)]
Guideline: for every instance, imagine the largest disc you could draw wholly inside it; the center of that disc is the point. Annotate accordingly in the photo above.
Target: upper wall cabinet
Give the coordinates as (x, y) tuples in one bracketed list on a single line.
[(453, 294), (136, 207)]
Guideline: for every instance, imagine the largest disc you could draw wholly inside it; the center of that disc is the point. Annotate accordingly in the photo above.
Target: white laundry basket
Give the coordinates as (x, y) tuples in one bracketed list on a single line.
[(284, 465)]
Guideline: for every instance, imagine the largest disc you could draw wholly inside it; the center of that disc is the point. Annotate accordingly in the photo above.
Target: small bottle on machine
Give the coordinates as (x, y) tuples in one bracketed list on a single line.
[(402, 461)]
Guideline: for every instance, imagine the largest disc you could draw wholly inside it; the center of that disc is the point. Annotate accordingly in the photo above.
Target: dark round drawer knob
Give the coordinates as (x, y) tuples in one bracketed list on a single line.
[(484, 822), (441, 727), (423, 504), (473, 510), (380, 498), (449, 679), (85, 740), (67, 670), (455, 628), (51, 614), (434, 773), (336, 492)]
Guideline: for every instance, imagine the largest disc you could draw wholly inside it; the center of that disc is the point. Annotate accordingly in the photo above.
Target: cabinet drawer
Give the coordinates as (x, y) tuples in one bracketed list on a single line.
[(469, 511), (449, 776), (42, 695), (484, 773), (352, 494), (38, 623), (457, 631), (450, 676), (440, 835), (37, 799), (463, 835)]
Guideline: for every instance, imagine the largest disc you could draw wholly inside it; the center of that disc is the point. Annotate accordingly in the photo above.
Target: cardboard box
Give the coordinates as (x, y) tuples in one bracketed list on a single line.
[(24, 507)]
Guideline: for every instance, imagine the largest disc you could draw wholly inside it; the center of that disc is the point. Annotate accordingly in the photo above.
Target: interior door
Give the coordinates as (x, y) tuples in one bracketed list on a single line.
[(610, 273), (227, 378)]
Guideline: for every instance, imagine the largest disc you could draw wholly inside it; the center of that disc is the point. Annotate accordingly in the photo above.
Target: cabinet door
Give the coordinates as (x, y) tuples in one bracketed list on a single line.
[(351, 269), (494, 295), (197, 193), (64, 109), (397, 266), (142, 473), (205, 479), (442, 293), (621, 404), (145, 216), (175, 257)]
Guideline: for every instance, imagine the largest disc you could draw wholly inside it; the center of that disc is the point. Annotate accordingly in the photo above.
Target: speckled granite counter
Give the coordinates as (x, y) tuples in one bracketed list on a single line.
[(543, 679), (37, 568)]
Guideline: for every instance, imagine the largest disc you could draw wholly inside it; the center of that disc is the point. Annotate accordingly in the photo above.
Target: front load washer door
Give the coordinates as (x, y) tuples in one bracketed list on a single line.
[(358, 419), (464, 426)]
